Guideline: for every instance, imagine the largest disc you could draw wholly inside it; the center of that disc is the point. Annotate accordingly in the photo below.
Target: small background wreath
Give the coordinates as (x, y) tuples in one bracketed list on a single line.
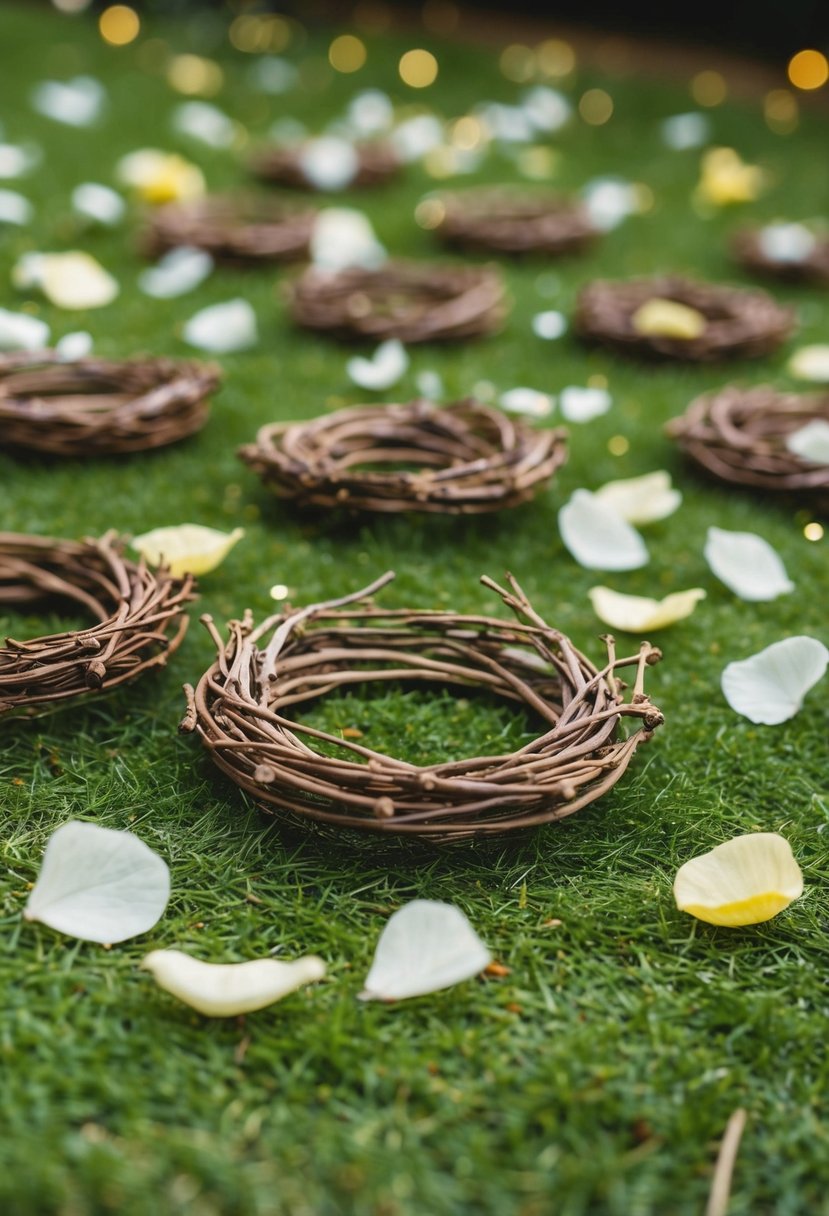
[(506, 219), (747, 248), (377, 163), (241, 228)]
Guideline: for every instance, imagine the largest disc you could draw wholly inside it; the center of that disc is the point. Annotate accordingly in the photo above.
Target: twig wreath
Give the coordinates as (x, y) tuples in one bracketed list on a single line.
[(376, 163), (463, 458), (411, 301), (96, 407), (738, 435), (813, 267), (738, 323), (509, 220), (243, 709), (240, 228), (139, 617)]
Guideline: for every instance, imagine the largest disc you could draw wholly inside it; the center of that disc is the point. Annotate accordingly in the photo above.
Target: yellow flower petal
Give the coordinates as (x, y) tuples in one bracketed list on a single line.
[(641, 500), (221, 990), (742, 882), (668, 319), (725, 178), (161, 177), (76, 280), (187, 548), (637, 613)]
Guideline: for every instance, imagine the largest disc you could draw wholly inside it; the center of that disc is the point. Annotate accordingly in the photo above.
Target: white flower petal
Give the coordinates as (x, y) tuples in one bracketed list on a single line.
[(204, 122), (96, 202), (744, 881), (160, 177), (178, 271), (343, 237), (583, 404), (786, 242), (186, 548), (384, 369), (223, 328), (529, 401), (16, 160), (811, 442), (770, 686), (370, 113), (76, 281), (329, 163), (430, 385), (77, 103), (810, 363), (682, 131), (549, 325), (74, 346), (425, 946), (641, 500), (18, 331), (638, 613), (417, 136), (547, 109), (98, 884), (222, 990), (598, 537), (609, 200), (747, 565), (15, 209)]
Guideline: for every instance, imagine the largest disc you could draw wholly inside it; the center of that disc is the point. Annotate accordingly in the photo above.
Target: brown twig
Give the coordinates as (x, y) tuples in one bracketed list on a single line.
[(506, 219), (377, 162), (239, 228), (139, 617), (95, 407), (244, 706), (461, 459), (739, 323)]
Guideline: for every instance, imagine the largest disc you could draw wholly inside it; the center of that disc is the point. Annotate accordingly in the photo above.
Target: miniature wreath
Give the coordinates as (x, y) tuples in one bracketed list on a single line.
[(406, 300), (811, 265), (508, 220), (241, 228), (741, 435), (244, 708), (375, 163), (732, 322), (139, 617), (463, 458), (96, 407)]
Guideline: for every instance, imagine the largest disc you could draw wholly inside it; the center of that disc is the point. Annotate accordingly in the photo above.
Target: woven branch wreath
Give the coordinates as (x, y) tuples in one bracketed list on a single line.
[(244, 706), (283, 166), (233, 229), (96, 407), (139, 617), (739, 323), (463, 458), (508, 220), (739, 435), (406, 300), (747, 248)]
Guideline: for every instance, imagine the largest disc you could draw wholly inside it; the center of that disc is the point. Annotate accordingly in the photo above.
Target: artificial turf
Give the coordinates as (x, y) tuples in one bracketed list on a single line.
[(598, 1075)]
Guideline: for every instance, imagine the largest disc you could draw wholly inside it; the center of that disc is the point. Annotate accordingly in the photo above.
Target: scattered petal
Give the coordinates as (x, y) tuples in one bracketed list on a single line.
[(725, 178), (329, 163), (769, 687), (637, 613), (186, 548), (98, 884), (384, 369), (15, 161), (641, 500), (74, 346), (204, 122), (430, 385), (529, 401), (223, 328), (96, 202), (15, 209), (18, 331), (223, 990), (160, 177), (417, 136), (682, 131), (178, 271), (370, 113), (598, 537), (747, 565), (77, 103), (583, 404), (549, 325), (509, 124), (343, 237), (609, 200), (811, 442), (70, 280), (547, 109), (786, 242), (668, 319), (810, 363), (274, 75), (426, 946), (745, 881)]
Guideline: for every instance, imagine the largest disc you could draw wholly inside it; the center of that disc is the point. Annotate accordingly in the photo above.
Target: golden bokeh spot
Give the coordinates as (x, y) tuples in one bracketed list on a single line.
[(430, 212), (194, 76), (618, 445), (537, 162), (708, 88), (597, 380), (418, 68), (254, 33), (781, 111), (813, 531), (555, 57), (596, 107), (809, 69), (517, 63), (467, 133), (441, 162), (347, 53), (119, 24)]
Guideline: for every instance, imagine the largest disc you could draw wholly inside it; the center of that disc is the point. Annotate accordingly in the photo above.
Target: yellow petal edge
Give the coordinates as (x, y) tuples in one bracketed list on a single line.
[(745, 881), (187, 548), (633, 613)]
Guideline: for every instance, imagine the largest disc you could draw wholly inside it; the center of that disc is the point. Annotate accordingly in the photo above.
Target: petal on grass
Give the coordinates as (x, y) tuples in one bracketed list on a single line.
[(583, 404), (598, 537), (76, 281), (343, 237), (769, 687), (641, 500), (18, 331), (549, 325), (329, 163), (637, 613), (747, 565), (177, 272), (98, 884), (383, 369), (528, 401), (15, 209), (186, 548), (811, 442), (810, 363), (222, 990), (98, 203), (223, 328), (425, 946), (744, 881)]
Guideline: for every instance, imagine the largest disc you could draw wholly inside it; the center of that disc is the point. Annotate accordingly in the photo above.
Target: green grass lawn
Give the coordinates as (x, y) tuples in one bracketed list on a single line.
[(599, 1074)]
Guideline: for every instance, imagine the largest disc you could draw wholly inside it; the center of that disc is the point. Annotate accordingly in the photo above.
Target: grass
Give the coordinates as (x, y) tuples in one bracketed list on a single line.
[(598, 1075)]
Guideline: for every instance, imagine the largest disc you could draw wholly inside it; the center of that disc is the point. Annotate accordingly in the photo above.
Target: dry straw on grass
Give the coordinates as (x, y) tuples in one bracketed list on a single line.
[(244, 709), (514, 221), (377, 162), (97, 407), (459, 459), (138, 615), (739, 323), (240, 228)]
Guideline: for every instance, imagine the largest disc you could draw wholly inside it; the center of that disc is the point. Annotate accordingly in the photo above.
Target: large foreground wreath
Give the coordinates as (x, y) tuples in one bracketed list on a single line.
[(138, 617), (244, 707)]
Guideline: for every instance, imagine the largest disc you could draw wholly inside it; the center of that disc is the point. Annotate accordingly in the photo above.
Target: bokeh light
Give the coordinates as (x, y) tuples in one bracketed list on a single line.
[(708, 88), (347, 53), (517, 62), (596, 107), (418, 69), (780, 110), (429, 213), (618, 445), (813, 531), (255, 33), (555, 58), (194, 76), (808, 69), (119, 25)]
